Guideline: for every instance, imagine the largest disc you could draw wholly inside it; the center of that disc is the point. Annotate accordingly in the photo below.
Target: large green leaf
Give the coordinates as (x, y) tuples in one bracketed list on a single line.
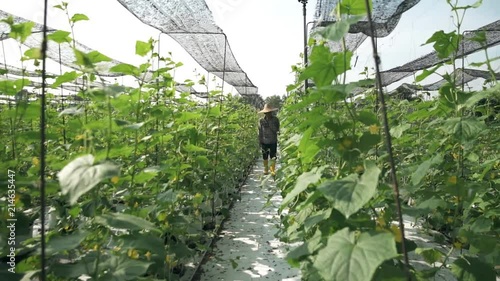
[(424, 167), (143, 48), (307, 248), (350, 194), (347, 258), (308, 147), (335, 32), (367, 117), (326, 66), (354, 7), (303, 181), (464, 128), (80, 176), (66, 77), (125, 221), (66, 242), (126, 69), (60, 36), (130, 270), (444, 43), (472, 269), (430, 255)]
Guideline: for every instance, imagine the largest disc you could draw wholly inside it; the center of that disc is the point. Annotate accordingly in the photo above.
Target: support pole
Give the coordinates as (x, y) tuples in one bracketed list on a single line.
[(304, 13)]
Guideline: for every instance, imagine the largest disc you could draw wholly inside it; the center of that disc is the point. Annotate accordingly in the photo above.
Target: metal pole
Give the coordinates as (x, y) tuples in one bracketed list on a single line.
[(304, 13)]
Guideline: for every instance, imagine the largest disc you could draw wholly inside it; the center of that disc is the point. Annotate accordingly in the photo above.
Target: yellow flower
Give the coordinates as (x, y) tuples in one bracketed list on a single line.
[(374, 129), (452, 180), (398, 236), (457, 245), (35, 161), (381, 221), (347, 142), (359, 169), (115, 179), (133, 254), (148, 255)]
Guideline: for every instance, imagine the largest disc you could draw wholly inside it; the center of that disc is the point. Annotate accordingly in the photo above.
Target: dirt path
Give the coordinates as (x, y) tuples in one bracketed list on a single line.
[(247, 248)]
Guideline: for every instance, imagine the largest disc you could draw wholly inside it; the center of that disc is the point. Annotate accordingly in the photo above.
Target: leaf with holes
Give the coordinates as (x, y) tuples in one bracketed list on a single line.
[(350, 258), (80, 176)]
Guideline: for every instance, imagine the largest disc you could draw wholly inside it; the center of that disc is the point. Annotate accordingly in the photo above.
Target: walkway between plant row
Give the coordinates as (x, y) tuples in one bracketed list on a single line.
[(247, 248)]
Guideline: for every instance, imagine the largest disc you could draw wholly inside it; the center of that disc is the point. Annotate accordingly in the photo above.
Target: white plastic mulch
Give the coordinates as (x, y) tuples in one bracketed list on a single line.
[(247, 248)]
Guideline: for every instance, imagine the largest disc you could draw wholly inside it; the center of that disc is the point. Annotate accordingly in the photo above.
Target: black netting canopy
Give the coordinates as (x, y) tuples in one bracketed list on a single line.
[(191, 24), (385, 15), (468, 46), (61, 53), (462, 77)]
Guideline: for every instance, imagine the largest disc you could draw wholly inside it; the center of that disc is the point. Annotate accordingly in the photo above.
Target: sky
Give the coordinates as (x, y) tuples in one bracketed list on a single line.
[(266, 36)]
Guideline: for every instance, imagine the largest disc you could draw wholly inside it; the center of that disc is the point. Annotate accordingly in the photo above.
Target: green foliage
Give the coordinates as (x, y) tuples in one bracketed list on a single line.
[(336, 181), (131, 172)]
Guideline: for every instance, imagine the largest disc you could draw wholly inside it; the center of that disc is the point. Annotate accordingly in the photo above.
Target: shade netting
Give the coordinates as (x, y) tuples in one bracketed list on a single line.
[(191, 24)]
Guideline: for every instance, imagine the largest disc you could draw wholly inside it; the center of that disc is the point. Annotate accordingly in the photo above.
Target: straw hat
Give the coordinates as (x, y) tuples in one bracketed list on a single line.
[(267, 108)]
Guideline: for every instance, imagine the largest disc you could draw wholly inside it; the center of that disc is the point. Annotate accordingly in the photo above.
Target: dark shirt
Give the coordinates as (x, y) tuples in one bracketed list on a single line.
[(268, 130)]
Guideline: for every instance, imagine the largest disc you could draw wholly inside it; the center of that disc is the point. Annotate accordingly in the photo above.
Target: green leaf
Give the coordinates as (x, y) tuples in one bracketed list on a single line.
[(368, 141), (368, 117), (476, 97), (476, 4), (335, 32), (60, 36), (424, 167), (61, 243), (130, 270), (21, 31), (472, 269), (444, 43), (193, 148), (326, 66), (481, 224), (303, 181), (430, 255), (307, 248), (126, 69), (96, 57), (125, 221), (78, 17), (350, 193), (80, 176), (143, 48), (425, 73), (467, 128), (66, 77), (308, 147), (354, 7), (348, 258), (33, 54), (82, 59), (144, 241)]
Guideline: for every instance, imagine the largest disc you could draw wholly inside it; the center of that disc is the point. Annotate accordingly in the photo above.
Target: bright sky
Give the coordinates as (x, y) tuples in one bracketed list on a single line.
[(265, 36)]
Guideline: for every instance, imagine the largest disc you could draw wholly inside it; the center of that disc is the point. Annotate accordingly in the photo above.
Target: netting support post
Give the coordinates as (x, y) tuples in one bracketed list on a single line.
[(304, 14)]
